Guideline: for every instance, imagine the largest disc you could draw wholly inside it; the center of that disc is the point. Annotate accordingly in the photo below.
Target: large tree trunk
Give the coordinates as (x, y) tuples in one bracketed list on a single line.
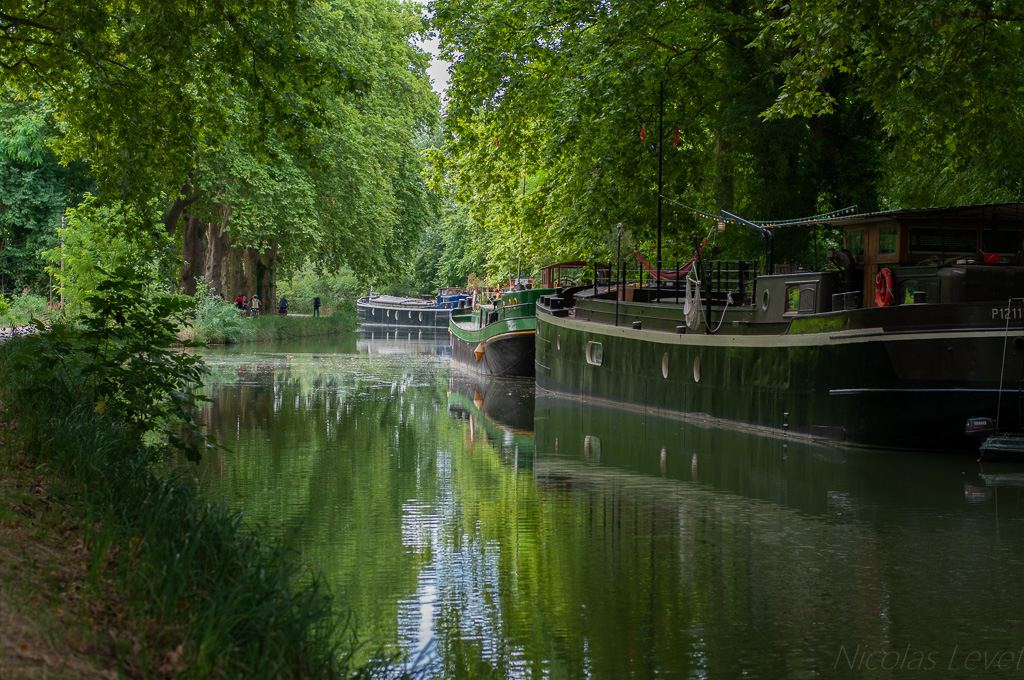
[(207, 251)]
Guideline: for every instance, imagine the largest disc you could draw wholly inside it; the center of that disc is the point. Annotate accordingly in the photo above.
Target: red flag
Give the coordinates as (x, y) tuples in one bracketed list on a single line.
[(643, 133), (675, 142)]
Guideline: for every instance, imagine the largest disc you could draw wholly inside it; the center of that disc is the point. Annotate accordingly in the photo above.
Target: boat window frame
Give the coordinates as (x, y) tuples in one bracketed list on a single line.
[(595, 353)]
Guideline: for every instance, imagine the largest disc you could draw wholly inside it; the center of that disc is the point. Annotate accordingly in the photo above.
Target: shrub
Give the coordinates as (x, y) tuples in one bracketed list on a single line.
[(23, 308)]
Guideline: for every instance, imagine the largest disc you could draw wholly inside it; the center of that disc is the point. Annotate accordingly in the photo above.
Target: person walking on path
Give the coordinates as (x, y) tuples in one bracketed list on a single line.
[(316, 306), (255, 305), (283, 308)]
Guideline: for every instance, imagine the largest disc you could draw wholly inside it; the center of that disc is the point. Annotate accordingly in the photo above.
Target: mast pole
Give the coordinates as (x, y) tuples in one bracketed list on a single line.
[(661, 139)]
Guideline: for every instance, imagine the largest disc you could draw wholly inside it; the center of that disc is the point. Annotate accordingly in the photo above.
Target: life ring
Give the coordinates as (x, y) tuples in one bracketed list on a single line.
[(884, 295)]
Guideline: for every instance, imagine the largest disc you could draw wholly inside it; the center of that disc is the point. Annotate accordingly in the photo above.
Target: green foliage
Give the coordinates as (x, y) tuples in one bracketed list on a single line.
[(295, 124), (548, 102), (941, 76), (121, 359), (103, 237), (449, 251), (22, 309), (238, 607), (219, 322), (337, 292), (34, 191)]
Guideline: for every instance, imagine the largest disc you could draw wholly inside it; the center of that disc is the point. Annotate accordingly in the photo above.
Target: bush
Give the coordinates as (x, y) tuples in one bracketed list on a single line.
[(23, 308)]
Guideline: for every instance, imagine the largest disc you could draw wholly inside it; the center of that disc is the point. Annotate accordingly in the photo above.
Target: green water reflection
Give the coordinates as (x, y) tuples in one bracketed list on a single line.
[(487, 532)]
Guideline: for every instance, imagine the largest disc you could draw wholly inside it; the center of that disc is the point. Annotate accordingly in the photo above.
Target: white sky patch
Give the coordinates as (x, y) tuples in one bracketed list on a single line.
[(438, 69)]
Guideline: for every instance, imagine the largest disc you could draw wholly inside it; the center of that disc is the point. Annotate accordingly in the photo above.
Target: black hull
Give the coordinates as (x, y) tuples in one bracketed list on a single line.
[(385, 316), (504, 354), (912, 390)]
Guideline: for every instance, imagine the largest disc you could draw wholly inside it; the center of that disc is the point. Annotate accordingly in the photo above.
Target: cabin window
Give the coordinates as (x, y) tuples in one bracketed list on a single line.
[(696, 369), (1000, 241), (595, 353), (664, 366), (421, 316), (930, 240), (888, 240), (558, 342), (855, 242), (792, 299), (909, 288)]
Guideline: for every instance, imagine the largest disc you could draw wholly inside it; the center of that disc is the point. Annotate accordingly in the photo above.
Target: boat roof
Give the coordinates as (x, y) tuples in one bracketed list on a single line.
[(986, 211)]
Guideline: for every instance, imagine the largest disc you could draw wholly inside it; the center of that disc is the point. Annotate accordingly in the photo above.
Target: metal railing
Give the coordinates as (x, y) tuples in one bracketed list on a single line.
[(719, 278)]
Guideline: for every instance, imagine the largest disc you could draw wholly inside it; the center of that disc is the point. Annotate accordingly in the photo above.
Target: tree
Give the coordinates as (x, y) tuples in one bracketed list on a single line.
[(579, 97), (274, 128), (941, 76), (34, 191)]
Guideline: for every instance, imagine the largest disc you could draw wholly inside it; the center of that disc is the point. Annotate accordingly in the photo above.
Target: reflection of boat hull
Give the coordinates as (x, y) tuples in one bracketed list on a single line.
[(507, 403), (500, 409), (374, 340), (578, 440)]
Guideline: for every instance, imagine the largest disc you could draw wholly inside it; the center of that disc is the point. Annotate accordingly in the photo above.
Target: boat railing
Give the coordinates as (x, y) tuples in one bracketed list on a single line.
[(723, 279), (492, 314)]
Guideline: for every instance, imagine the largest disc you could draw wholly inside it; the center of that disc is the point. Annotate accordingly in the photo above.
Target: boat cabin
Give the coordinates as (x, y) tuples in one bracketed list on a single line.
[(958, 254), (903, 257)]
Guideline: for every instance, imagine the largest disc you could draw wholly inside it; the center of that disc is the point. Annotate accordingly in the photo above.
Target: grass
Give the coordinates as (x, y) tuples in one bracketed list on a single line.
[(219, 323), (167, 583)]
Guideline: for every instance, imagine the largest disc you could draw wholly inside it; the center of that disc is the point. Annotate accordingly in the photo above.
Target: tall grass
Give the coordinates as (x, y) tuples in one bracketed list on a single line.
[(239, 607)]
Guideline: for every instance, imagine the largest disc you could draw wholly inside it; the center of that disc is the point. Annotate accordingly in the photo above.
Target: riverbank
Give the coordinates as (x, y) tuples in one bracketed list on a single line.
[(113, 564), (219, 323), (60, 614)]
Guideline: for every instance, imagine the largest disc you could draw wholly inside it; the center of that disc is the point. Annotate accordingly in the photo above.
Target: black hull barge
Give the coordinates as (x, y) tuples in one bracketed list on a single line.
[(402, 312), (896, 348)]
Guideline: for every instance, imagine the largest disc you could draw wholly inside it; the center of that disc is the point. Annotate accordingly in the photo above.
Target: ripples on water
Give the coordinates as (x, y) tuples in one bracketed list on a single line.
[(484, 531)]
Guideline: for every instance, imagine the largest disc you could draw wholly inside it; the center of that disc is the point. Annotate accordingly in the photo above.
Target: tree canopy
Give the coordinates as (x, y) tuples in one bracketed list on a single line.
[(578, 96), (771, 109), (294, 119)]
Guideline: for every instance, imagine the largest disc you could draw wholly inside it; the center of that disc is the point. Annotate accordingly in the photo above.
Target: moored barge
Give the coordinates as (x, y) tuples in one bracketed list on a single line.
[(918, 326)]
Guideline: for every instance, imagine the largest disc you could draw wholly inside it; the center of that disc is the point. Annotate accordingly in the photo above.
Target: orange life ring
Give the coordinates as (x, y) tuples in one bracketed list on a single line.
[(884, 295)]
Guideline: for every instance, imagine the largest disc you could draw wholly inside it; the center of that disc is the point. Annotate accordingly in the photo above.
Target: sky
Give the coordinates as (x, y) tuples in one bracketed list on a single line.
[(438, 70)]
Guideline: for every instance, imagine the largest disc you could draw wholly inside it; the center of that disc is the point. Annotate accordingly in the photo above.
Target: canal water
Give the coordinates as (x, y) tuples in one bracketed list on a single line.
[(483, 530)]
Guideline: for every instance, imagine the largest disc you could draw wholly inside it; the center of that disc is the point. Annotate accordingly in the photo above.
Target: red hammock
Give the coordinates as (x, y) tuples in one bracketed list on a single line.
[(671, 274)]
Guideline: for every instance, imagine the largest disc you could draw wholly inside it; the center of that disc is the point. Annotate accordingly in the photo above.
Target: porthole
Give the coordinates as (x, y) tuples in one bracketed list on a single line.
[(558, 342), (389, 313), (410, 314), (421, 316), (764, 301), (696, 369), (664, 366), (373, 312), (595, 353)]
